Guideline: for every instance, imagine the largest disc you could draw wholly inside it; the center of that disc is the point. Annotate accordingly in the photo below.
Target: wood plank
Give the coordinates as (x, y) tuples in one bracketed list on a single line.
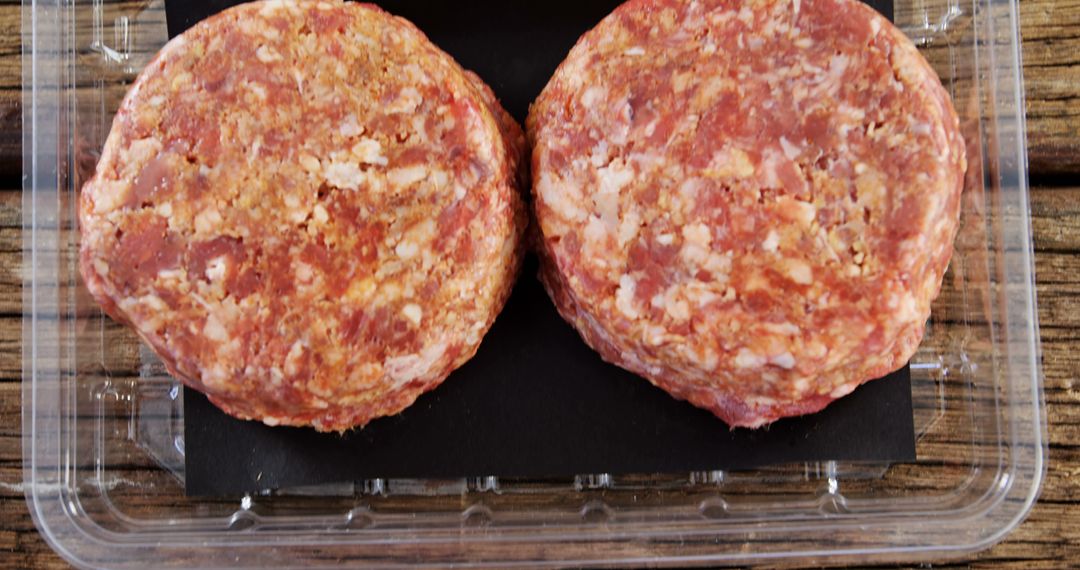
[(1051, 50)]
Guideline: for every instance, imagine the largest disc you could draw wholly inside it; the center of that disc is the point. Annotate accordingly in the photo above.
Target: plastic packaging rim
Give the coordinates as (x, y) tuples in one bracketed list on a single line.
[(40, 176)]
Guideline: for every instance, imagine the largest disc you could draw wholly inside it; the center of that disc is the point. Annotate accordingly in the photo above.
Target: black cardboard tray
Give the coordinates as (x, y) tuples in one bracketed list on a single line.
[(535, 401)]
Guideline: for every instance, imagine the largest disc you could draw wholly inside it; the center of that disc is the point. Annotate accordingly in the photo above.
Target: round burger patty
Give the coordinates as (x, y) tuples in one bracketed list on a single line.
[(750, 204), (309, 211)]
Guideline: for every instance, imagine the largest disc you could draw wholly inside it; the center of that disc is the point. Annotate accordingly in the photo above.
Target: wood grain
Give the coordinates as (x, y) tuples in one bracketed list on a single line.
[(10, 93), (1049, 538), (1051, 50)]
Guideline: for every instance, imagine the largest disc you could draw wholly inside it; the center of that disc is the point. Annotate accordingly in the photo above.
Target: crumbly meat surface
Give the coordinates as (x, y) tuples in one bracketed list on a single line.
[(310, 212), (750, 204)]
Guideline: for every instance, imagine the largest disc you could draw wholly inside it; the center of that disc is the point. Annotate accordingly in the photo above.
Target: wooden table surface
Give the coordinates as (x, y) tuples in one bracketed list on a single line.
[(1049, 538)]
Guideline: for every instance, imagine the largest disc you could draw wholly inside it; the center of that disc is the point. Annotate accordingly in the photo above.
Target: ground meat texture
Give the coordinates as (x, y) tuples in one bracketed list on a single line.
[(311, 213), (750, 204)]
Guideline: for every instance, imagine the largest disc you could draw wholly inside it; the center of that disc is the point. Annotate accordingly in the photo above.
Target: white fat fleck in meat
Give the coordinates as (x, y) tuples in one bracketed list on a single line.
[(772, 241), (790, 150), (614, 177), (635, 51), (415, 239), (592, 97), (719, 264), (688, 190), (907, 309), (180, 80), (419, 129), (697, 234), (797, 211), (276, 376), (171, 273), (139, 153), (350, 127), (607, 206), (595, 232), (216, 268), (770, 165), (406, 102), (207, 221), (624, 297), (784, 328), (875, 26), (369, 151), (702, 296), (798, 271), (406, 177), (655, 335), (920, 128), (344, 174), (293, 358), (154, 302), (665, 239), (299, 78), (695, 249), (795, 5), (267, 54), (440, 178), (784, 360), (101, 267), (319, 214), (629, 227), (562, 197), (801, 386), (413, 313), (599, 156), (214, 330), (403, 369), (257, 90), (844, 390), (732, 162), (747, 359), (406, 250), (216, 376), (852, 113), (838, 66), (309, 163), (676, 307), (304, 272)]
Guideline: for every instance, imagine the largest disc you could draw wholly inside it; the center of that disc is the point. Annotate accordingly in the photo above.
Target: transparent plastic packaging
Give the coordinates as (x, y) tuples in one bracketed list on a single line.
[(103, 422)]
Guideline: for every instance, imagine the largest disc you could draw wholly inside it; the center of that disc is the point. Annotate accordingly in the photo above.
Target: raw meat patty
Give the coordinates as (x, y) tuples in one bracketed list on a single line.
[(309, 211), (750, 204)]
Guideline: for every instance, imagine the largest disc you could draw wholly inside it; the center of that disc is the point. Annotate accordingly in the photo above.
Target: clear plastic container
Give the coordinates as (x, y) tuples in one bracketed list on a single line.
[(103, 422)]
